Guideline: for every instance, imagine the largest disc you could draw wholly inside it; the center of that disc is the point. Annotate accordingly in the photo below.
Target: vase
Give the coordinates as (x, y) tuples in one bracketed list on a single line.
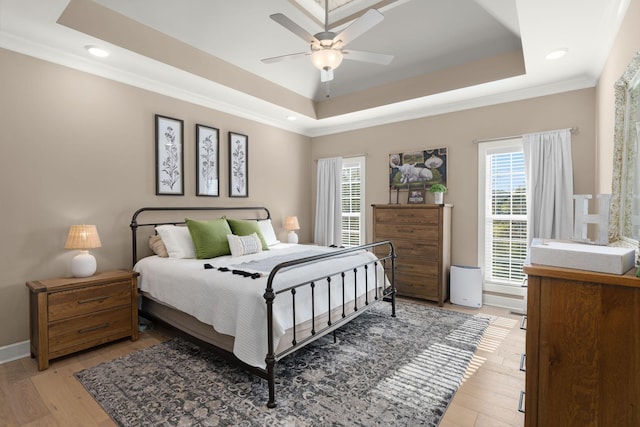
[(438, 198)]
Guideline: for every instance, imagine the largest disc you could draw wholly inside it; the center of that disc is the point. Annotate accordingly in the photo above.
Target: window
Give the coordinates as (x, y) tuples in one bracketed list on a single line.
[(352, 201), (502, 216)]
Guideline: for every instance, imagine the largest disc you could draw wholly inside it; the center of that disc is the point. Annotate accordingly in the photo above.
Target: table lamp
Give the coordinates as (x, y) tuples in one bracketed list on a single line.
[(83, 237), (291, 224)]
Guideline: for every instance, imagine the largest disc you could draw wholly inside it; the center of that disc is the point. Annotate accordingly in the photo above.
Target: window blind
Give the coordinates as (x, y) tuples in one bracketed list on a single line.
[(352, 201)]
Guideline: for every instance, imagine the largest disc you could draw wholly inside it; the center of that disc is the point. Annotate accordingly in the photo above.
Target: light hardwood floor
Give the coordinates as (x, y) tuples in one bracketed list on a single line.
[(488, 396)]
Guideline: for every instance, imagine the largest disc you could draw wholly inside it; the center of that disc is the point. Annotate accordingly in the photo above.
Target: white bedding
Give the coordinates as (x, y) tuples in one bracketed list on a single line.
[(234, 304)]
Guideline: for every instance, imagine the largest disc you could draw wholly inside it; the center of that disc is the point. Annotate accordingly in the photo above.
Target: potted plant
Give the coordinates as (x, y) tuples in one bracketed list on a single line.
[(438, 190)]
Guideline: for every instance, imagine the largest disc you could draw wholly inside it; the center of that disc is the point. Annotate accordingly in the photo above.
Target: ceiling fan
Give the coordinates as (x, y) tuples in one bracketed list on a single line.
[(327, 47)]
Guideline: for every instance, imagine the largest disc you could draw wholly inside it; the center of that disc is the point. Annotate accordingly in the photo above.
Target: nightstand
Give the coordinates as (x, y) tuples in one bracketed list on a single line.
[(76, 313)]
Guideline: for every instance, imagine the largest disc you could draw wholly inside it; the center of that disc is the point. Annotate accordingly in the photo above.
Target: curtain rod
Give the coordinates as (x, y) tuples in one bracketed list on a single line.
[(344, 157), (574, 130)]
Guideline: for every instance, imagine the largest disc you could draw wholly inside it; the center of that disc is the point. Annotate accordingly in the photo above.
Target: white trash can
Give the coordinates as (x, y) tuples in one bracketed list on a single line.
[(466, 286)]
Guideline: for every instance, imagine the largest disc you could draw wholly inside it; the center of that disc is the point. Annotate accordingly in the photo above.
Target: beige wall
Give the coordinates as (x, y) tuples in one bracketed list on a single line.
[(457, 131), (79, 148), (626, 45), (76, 148)]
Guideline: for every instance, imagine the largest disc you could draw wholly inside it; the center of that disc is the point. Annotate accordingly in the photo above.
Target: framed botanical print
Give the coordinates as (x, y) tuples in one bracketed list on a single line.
[(238, 165), (169, 156), (207, 161)]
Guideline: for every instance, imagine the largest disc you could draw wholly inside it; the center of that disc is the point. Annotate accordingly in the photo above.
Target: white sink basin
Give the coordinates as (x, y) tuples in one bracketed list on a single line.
[(581, 256)]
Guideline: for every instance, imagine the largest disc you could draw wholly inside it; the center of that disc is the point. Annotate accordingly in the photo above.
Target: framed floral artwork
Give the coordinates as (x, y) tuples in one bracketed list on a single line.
[(238, 165), (169, 156), (207, 161)]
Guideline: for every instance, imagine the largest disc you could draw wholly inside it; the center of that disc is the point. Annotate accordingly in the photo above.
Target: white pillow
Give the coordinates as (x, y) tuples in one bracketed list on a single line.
[(266, 229), (244, 245), (177, 240)]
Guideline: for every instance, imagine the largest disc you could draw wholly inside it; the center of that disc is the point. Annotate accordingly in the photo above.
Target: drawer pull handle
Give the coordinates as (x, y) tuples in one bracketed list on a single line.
[(523, 360), (521, 402), (84, 301), (93, 328)]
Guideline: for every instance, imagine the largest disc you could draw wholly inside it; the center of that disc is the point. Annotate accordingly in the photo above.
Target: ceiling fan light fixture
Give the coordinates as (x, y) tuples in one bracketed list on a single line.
[(324, 59)]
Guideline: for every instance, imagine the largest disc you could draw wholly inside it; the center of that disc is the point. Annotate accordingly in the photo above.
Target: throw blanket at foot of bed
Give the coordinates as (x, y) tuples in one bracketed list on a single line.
[(401, 372)]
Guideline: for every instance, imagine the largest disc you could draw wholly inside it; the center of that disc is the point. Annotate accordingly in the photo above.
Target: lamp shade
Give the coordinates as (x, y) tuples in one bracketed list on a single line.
[(291, 223), (83, 237), (326, 58)]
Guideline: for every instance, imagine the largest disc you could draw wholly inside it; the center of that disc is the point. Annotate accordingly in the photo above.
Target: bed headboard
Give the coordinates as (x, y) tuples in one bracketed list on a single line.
[(170, 215)]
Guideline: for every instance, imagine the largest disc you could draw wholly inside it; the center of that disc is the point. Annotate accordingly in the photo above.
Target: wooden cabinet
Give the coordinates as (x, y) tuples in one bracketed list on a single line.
[(73, 314), (583, 348), (421, 237)]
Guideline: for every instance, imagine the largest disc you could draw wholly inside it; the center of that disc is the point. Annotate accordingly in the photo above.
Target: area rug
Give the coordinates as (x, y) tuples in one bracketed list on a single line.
[(399, 371)]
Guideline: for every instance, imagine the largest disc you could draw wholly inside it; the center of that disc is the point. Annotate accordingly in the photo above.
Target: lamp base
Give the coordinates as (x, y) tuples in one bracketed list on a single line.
[(83, 265), (292, 237)]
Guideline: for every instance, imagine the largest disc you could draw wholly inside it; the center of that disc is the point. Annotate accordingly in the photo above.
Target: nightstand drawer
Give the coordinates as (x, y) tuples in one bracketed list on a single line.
[(65, 304), (93, 327)]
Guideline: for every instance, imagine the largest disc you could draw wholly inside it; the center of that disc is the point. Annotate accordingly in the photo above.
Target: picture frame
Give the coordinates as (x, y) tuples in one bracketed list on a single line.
[(238, 165), (169, 150), (416, 196), (207, 161), (417, 169)]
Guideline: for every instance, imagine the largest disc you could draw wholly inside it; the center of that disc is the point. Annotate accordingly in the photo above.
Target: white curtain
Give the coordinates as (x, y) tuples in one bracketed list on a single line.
[(549, 175), (328, 230)]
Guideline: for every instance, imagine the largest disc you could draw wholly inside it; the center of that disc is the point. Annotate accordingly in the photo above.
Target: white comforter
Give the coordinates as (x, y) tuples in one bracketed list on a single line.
[(234, 305)]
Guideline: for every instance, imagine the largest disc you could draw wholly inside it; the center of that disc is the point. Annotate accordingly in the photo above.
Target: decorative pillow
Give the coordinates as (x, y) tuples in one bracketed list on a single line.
[(244, 245), (266, 229), (157, 246), (177, 241), (209, 237), (243, 227)]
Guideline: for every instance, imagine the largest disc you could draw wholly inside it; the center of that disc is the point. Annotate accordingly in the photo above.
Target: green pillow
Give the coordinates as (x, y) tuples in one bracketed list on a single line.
[(243, 227), (209, 237)]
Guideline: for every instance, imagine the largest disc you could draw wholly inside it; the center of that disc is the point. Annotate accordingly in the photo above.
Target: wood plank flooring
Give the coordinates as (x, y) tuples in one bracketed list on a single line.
[(488, 396)]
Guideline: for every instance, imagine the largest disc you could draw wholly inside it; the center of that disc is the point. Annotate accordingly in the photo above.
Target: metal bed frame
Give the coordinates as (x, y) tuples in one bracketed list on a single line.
[(386, 257)]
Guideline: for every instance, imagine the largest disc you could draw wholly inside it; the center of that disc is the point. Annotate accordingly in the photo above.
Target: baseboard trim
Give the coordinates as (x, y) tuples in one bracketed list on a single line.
[(515, 304), (12, 352)]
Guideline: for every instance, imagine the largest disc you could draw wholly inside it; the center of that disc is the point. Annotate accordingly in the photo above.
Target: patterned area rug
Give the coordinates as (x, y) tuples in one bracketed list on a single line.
[(399, 371)]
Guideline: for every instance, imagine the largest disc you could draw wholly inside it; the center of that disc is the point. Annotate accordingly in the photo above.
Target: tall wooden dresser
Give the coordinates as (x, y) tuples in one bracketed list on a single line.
[(421, 235), (583, 348)]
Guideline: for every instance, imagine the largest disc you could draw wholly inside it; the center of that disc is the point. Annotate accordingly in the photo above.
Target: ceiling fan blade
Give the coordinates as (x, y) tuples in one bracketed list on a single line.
[(326, 75), (294, 28), (376, 58), (358, 27), (281, 58)]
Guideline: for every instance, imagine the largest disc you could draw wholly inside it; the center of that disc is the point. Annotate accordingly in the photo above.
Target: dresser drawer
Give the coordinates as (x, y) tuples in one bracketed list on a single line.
[(419, 268), (422, 250), (416, 251), (419, 232), (417, 286), (65, 304), (408, 216), (84, 331)]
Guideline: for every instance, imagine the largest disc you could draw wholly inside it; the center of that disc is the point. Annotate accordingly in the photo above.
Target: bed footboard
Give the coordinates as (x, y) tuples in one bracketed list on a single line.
[(384, 264)]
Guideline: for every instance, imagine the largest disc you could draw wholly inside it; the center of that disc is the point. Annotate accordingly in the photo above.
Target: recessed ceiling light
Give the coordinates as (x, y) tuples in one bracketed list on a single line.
[(556, 54), (96, 51), (292, 118)]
